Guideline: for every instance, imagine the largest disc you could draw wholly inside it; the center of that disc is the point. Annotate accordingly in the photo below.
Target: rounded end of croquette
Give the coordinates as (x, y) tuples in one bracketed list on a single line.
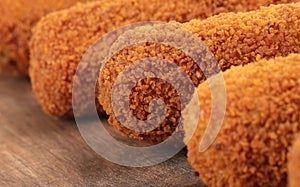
[(55, 55), (155, 67), (261, 119)]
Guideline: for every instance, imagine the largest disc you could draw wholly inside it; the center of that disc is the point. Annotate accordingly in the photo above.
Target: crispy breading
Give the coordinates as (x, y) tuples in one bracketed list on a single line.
[(234, 39), (17, 17), (60, 39), (261, 120)]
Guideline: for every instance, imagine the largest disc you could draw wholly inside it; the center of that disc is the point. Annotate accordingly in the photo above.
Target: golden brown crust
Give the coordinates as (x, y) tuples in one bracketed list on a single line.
[(294, 164), (55, 55), (234, 39), (262, 117), (16, 20)]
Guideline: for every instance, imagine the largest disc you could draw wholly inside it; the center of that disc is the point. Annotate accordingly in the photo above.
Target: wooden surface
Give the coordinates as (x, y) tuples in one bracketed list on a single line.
[(38, 150)]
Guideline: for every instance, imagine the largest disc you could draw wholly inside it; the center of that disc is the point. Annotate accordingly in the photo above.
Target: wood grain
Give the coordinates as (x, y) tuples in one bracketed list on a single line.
[(38, 150)]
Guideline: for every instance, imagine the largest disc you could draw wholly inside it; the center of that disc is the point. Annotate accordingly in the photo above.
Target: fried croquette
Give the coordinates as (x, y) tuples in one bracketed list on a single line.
[(17, 17), (261, 119), (234, 39), (60, 39), (294, 164)]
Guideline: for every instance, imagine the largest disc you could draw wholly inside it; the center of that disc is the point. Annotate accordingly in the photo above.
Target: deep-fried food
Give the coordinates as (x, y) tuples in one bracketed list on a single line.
[(60, 39), (261, 120), (234, 39), (17, 17)]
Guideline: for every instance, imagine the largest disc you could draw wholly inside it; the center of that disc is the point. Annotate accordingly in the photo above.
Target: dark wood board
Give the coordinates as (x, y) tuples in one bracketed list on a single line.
[(39, 150)]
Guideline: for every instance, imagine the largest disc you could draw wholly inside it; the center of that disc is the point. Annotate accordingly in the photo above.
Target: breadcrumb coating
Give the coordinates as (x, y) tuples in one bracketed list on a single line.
[(17, 17), (233, 38), (261, 120), (60, 39), (294, 164)]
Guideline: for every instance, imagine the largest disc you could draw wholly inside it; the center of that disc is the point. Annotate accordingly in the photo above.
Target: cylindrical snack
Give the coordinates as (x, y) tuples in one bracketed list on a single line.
[(60, 39), (261, 120), (16, 20), (233, 38)]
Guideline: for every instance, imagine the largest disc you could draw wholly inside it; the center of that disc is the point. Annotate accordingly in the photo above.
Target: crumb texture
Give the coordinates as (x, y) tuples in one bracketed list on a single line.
[(261, 120), (233, 38), (61, 38), (17, 18)]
